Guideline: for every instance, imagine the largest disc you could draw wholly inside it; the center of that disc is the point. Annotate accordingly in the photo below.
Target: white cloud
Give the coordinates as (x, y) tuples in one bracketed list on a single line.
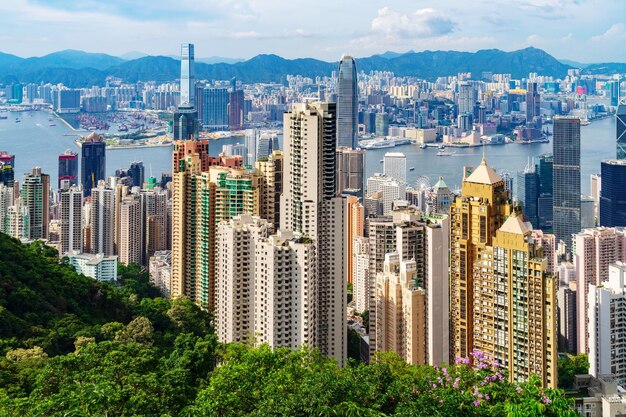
[(616, 31), (423, 23)]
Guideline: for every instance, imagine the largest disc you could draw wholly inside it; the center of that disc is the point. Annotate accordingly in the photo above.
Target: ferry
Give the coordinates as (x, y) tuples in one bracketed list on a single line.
[(444, 153), (412, 169), (382, 160), (52, 124), (3, 116), (423, 146), (442, 147), (17, 120)]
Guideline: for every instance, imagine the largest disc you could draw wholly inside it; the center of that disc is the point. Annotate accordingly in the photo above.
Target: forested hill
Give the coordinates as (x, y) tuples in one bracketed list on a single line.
[(73, 347)]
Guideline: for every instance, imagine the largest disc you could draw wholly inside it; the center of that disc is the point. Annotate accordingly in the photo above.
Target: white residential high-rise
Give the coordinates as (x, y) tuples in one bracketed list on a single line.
[(6, 201), (160, 268), (360, 274), (395, 166), (131, 246), (607, 321), (286, 292), (392, 190), (236, 242), (71, 220), (309, 206), (101, 224), (595, 249)]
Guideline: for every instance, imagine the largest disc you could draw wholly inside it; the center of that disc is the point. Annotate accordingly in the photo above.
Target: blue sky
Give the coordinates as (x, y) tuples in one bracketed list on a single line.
[(582, 30)]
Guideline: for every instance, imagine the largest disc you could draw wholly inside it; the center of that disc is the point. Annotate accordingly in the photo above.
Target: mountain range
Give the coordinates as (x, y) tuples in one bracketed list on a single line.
[(80, 69)]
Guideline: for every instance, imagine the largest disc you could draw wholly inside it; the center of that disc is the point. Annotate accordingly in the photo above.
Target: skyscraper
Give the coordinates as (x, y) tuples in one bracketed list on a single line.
[(309, 206), (544, 168), (566, 175), (71, 219), (235, 107), (7, 169), (36, 198), (102, 220), (347, 104), (215, 109), (68, 167), (136, 172), (271, 186), (475, 216), (528, 193), (185, 122), (613, 193), (620, 130), (533, 102), (93, 162)]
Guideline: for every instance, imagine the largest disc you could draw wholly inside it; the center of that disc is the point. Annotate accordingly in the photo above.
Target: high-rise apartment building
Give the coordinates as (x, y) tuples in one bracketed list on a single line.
[(566, 173), (360, 274), (270, 172), (71, 220), (93, 162), (613, 193), (68, 167), (395, 166), (356, 228), (347, 104), (607, 319), (595, 249), (391, 190), (475, 215), (6, 201), (236, 277), (35, 197), (515, 305), (102, 220), (400, 310), (157, 230), (131, 240), (309, 206)]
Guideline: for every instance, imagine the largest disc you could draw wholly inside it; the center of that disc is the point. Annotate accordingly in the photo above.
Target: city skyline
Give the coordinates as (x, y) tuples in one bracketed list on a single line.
[(242, 29)]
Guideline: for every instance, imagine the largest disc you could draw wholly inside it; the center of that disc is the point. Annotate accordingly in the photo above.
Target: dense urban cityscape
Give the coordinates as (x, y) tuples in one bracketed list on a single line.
[(280, 209)]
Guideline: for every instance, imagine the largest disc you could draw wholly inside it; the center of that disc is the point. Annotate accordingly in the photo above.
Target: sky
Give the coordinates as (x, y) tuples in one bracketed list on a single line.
[(582, 30)]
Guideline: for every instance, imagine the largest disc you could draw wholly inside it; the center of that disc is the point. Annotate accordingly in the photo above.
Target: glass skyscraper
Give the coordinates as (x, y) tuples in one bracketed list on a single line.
[(566, 178), (528, 194), (92, 162), (68, 167), (185, 123), (215, 109), (613, 193), (543, 168), (347, 104), (620, 125)]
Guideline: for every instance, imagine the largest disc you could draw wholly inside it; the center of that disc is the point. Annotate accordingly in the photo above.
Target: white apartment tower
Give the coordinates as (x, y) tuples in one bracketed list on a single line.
[(309, 206), (131, 230), (394, 165), (102, 220), (71, 220)]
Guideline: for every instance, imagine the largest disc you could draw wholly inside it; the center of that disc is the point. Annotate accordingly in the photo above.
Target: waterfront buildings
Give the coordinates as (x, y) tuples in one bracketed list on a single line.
[(395, 166), (566, 179)]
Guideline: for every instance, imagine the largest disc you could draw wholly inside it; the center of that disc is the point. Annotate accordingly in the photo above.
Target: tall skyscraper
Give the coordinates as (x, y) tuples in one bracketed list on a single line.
[(71, 219), (36, 198), (475, 216), (157, 230), (271, 186), (102, 220), (350, 164), (309, 206), (544, 169), (514, 303), (533, 109), (268, 143), (620, 131), (356, 228), (395, 166), (528, 193), (131, 239), (93, 162), (185, 122), (215, 109), (566, 174), (235, 107), (613, 193), (347, 104), (136, 172), (467, 98)]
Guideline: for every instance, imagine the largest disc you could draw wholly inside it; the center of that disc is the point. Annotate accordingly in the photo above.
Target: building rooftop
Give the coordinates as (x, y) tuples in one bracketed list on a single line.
[(515, 224), (484, 174), (440, 184)]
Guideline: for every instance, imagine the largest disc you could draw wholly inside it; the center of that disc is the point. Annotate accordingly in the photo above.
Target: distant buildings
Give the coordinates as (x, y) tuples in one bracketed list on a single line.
[(395, 166), (347, 103), (566, 174), (620, 128)]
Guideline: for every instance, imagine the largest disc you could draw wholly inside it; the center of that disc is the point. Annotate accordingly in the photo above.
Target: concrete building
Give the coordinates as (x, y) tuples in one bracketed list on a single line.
[(35, 197), (101, 222), (350, 169), (400, 310), (71, 220), (131, 244), (99, 267), (271, 186), (356, 228), (309, 206), (360, 274), (236, 271), (594, 250), (160, 269), (394, 166), (391, 190), (607, 321)]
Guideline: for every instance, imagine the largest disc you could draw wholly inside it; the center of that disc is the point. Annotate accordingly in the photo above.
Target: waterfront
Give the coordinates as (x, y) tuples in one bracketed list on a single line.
[(34, 142)]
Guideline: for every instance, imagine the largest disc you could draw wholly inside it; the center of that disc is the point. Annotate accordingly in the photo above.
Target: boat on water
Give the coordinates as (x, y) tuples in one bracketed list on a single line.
[(382, 160), (52, 124), (442, 147), (412, 169), (423, 146), (17, 120), (3, 116), (444, 153)]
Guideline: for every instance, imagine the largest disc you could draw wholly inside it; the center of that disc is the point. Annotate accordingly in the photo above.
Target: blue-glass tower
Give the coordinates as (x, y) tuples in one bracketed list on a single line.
[(613, 193), (347, 104)]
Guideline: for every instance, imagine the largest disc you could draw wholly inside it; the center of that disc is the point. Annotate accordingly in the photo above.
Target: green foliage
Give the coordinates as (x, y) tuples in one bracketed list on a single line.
[(569, 367), (83, 348)]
